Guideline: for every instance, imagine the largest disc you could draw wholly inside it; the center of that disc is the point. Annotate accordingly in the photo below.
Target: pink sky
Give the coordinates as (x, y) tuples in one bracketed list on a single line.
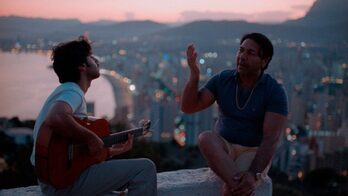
[(159, 10)]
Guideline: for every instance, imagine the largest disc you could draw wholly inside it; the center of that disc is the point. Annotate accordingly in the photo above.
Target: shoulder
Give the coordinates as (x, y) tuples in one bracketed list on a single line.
[(218, 81), (68, 92), (226, 75), (70, 87), (271, 83), (276, 96)]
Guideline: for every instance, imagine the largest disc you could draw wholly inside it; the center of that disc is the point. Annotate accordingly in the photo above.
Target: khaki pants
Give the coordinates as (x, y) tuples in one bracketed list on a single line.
[(243, 157)]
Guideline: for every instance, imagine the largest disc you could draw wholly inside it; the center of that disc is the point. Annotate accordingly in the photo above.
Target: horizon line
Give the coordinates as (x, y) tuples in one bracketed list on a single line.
[(137, 20)]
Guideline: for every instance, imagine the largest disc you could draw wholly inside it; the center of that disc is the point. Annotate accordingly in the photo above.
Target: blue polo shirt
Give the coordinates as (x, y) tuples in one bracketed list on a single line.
[(245, 126)]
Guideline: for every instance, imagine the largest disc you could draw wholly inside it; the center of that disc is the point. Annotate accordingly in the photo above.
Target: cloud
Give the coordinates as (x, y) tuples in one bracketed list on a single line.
[(262, 17), (130, 16), (209, 15)]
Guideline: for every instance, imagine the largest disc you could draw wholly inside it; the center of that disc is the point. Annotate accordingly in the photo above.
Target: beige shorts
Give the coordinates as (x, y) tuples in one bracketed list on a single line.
[(243, 156)]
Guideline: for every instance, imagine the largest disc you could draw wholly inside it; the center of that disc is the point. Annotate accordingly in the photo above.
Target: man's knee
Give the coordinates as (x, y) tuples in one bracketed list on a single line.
[(209, 142), (148, 165), (206, 140)]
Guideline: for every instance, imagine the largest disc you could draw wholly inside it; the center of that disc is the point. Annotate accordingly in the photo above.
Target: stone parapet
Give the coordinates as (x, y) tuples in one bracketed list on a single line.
[(186, 182)]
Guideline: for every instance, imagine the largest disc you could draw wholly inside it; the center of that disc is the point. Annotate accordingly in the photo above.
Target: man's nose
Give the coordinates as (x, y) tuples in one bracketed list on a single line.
[(243, 55)]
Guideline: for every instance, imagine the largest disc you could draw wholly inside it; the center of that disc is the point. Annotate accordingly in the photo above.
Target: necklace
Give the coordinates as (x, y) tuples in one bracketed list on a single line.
[(247, 101)]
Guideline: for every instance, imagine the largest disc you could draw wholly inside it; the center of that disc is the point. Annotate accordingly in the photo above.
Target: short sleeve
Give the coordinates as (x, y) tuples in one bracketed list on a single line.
[(278, 102), (72, 98), (212, 84)]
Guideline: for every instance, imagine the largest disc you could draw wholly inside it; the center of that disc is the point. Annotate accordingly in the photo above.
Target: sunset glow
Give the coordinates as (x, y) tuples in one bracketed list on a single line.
[(158, 10)]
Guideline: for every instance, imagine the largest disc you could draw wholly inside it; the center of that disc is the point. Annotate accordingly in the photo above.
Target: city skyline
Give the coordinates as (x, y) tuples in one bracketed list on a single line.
[(262, 11)]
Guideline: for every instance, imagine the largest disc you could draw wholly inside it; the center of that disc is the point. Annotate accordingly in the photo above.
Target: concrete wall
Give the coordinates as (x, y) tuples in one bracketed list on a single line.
[(187, 182)]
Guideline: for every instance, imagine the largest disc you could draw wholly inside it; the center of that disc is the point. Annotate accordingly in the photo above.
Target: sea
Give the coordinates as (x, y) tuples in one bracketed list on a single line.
[(26, 80)]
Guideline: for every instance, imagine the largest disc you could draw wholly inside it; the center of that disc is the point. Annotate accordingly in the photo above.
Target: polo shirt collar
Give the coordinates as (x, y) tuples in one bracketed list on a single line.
[(261, 80)]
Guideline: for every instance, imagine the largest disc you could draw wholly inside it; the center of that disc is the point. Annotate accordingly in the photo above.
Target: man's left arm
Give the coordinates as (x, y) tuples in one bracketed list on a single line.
[(273, 126), (274, 123)]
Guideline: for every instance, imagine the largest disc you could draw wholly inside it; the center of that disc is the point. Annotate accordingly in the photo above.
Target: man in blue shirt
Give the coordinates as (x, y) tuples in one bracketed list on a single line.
[(252, 114)]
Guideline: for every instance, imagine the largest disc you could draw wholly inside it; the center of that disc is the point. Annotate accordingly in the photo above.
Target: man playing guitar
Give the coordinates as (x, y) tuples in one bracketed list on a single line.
[(76, 68)]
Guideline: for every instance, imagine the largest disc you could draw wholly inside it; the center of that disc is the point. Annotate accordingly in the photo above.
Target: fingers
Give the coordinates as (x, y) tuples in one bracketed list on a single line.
[(244, 192), (238, 176), (246, 186), (191, 55), (127, 145)]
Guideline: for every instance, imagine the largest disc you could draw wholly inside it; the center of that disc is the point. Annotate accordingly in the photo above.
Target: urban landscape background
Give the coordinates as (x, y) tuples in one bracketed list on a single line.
[(145, 67)]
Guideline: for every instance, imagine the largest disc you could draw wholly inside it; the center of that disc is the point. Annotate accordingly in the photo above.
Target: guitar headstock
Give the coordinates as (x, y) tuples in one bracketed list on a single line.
[(145, 124)]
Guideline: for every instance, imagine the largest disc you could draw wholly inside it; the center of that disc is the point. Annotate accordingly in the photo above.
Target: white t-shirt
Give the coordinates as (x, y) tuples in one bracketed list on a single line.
[(68, 92)]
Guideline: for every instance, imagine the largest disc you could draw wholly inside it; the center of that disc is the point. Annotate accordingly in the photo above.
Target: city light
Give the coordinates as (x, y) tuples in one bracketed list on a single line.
[(201, 61), (300, 175), (210, 55), (122, 52), (293, 152), (344, 173), (132, 87)]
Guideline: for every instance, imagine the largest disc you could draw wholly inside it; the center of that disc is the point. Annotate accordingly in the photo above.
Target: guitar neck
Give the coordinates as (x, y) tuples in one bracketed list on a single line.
[(120, 137)]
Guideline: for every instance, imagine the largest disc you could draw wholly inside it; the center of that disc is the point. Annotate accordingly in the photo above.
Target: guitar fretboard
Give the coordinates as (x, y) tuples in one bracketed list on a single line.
[(119, 137)]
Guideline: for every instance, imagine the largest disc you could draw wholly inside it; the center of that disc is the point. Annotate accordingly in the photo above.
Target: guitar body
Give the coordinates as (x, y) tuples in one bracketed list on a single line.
[(59, 162)]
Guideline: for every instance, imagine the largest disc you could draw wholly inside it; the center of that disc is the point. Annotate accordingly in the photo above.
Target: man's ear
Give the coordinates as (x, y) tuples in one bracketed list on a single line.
[(83, 67), (265, 61)]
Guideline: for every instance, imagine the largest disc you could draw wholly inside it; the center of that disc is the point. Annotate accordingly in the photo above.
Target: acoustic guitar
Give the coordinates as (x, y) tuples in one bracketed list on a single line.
[(59, 162)]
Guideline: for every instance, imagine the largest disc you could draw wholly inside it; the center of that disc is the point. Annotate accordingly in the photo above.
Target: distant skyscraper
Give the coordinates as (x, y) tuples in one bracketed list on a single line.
[(344, 127)]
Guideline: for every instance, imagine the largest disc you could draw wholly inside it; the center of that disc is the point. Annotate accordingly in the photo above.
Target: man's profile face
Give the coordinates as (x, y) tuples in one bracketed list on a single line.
[(92, 67), (248, 58)]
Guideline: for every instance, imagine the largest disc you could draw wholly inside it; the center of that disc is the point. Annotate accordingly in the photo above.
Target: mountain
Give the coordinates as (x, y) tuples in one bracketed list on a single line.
[(127, 29), (102, 23), (13, 28), (325, 13), (326, 22)]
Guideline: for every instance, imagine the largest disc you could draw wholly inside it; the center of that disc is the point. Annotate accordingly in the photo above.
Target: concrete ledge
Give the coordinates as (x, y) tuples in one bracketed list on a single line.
[(27, 191), (202, 182), (186, 182)]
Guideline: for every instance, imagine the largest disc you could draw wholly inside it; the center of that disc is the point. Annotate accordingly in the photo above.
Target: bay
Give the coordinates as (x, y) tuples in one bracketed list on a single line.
[(26, 81)]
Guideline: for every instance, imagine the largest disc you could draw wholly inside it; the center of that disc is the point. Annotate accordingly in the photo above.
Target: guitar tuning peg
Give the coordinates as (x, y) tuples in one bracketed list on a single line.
[(142, 122), (145, 123)]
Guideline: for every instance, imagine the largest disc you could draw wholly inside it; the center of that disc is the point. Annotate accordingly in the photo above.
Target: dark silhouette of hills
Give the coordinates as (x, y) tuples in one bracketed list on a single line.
[(127, 29), (14, 27), (325, 22)]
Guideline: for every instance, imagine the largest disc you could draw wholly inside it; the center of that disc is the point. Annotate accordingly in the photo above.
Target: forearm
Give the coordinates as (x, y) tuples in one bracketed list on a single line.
[(274, 125), (190, 96), (263, 156), (64, 124)]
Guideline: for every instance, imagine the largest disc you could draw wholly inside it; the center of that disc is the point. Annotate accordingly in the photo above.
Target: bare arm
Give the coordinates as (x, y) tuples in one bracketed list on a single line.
[(194, 100), (60, 120), (273, 126)]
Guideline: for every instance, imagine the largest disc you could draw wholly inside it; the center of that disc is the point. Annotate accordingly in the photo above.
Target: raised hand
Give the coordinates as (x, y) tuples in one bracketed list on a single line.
[(191, 55)]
